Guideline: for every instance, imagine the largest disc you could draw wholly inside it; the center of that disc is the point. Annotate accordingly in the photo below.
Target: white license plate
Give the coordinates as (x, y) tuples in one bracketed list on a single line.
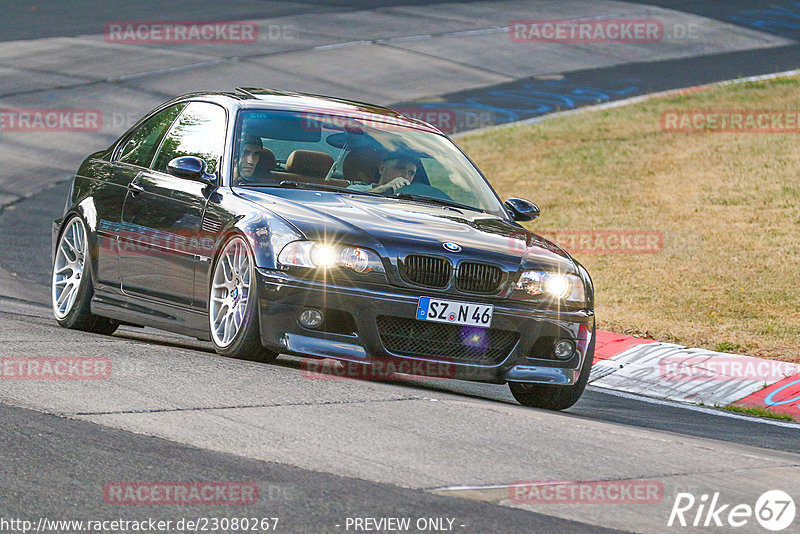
[(448, 311)]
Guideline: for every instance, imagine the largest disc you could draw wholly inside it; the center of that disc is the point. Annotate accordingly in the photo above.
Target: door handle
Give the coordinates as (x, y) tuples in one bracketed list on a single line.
[(135, 188)]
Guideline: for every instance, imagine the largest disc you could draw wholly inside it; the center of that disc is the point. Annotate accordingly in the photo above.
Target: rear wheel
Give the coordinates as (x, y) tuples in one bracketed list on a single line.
[(554, 397), (232, 306), (71, 285)]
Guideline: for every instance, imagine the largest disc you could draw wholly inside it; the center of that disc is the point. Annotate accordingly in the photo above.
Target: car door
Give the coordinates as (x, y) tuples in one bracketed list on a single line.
[(163, 213), (132, 155)]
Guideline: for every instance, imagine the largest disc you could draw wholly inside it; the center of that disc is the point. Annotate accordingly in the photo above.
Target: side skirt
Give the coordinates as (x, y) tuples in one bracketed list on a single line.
[(144, 312)]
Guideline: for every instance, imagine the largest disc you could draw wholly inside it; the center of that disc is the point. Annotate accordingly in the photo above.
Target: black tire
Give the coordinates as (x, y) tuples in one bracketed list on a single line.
[(246, 343), (550, 397), (79, 316)]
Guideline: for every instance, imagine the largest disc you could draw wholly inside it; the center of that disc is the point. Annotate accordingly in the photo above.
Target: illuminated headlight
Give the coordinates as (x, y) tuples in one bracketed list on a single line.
[(566, 287), (557, 286), (323, 256), (313, 255)]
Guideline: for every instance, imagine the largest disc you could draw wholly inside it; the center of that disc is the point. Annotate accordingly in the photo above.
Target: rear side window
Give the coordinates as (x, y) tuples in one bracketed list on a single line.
[(200, 131), (141, 146)]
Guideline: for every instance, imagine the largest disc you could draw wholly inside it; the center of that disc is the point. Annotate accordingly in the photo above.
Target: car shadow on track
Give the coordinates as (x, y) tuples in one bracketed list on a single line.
[(470, 390)]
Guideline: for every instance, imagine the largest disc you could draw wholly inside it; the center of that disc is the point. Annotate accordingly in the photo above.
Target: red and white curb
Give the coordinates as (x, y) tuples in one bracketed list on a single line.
[(697, 376), (674, 372)]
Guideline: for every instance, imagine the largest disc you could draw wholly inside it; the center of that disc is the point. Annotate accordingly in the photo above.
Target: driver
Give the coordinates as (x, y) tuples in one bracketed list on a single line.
[(394, 172), (245, 165)]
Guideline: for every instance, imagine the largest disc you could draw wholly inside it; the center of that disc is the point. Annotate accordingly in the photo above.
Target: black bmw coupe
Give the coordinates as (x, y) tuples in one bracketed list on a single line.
[(271, 222)]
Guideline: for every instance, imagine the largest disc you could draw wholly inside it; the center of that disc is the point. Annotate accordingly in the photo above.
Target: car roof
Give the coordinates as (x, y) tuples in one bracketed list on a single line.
[(274, 99)]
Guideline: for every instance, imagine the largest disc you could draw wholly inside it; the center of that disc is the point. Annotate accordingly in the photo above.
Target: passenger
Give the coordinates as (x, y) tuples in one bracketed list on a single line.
[(245, 165), (394, 172)]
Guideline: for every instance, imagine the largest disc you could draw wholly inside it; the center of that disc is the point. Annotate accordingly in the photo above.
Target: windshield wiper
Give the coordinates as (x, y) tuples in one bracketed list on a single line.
[(309, 185), (291, 184), (434, 200)]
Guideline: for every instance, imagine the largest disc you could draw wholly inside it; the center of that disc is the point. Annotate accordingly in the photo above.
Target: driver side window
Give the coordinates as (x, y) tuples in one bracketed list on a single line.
[(199, 131), (141, 146)]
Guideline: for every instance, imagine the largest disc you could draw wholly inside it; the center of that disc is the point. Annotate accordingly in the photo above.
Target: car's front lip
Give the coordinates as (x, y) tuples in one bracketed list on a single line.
[(282, 296)]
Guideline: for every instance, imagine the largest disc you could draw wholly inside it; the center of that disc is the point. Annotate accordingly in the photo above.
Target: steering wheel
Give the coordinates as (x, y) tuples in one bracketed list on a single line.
[(423, 190)]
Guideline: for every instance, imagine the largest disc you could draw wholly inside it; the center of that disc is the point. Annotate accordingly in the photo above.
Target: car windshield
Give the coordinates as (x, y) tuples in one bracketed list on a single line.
[(294, 149)]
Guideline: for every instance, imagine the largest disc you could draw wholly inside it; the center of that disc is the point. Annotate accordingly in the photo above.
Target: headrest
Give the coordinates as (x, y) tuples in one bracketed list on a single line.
[(309, 163), (267, 159), (266, 162), (361, 165)]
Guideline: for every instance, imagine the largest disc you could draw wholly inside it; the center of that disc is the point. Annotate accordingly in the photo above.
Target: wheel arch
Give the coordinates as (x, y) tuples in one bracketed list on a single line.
[(87, 212), (265, 233)]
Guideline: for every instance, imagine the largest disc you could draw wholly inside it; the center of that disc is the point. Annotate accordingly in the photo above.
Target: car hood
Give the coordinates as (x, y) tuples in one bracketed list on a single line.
[(394, 228)]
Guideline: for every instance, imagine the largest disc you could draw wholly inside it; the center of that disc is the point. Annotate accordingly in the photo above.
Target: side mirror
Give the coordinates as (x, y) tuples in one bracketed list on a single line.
[(191, 168), (521, 209)]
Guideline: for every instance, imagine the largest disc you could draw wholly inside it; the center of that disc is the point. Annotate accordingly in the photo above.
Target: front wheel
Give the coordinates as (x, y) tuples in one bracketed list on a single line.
[(71, 284), (233, 307), (551, 397)]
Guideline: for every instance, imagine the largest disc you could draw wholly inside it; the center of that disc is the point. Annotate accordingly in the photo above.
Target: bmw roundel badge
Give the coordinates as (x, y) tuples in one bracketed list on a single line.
[(452, 247)]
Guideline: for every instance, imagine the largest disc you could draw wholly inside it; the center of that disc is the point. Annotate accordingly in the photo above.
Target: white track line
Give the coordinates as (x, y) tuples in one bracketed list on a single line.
[(525, 484), (703, 409)]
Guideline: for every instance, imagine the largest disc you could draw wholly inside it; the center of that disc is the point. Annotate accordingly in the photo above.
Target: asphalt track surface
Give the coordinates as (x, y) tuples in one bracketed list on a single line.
[(53, 18), (82, 454), (56, 457)]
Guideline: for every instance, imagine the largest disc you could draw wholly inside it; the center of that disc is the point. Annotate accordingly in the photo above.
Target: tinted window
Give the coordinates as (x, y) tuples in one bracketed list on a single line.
[(141, 146), (449, 182), (357, 146), (199, 131)]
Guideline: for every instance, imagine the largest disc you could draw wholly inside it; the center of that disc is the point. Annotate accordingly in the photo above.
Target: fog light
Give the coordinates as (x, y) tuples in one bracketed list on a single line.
[(310, 318), (563, 349)]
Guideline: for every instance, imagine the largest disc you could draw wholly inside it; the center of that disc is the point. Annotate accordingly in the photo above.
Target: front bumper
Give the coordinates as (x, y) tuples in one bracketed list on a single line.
[(282, 297)]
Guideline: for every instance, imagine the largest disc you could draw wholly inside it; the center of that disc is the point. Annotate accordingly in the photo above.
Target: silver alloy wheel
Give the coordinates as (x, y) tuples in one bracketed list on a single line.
[(230, 292), (68, 267)]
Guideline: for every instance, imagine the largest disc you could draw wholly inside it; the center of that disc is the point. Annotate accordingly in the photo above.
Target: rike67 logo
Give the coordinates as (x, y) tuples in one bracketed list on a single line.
[(774, 510)]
